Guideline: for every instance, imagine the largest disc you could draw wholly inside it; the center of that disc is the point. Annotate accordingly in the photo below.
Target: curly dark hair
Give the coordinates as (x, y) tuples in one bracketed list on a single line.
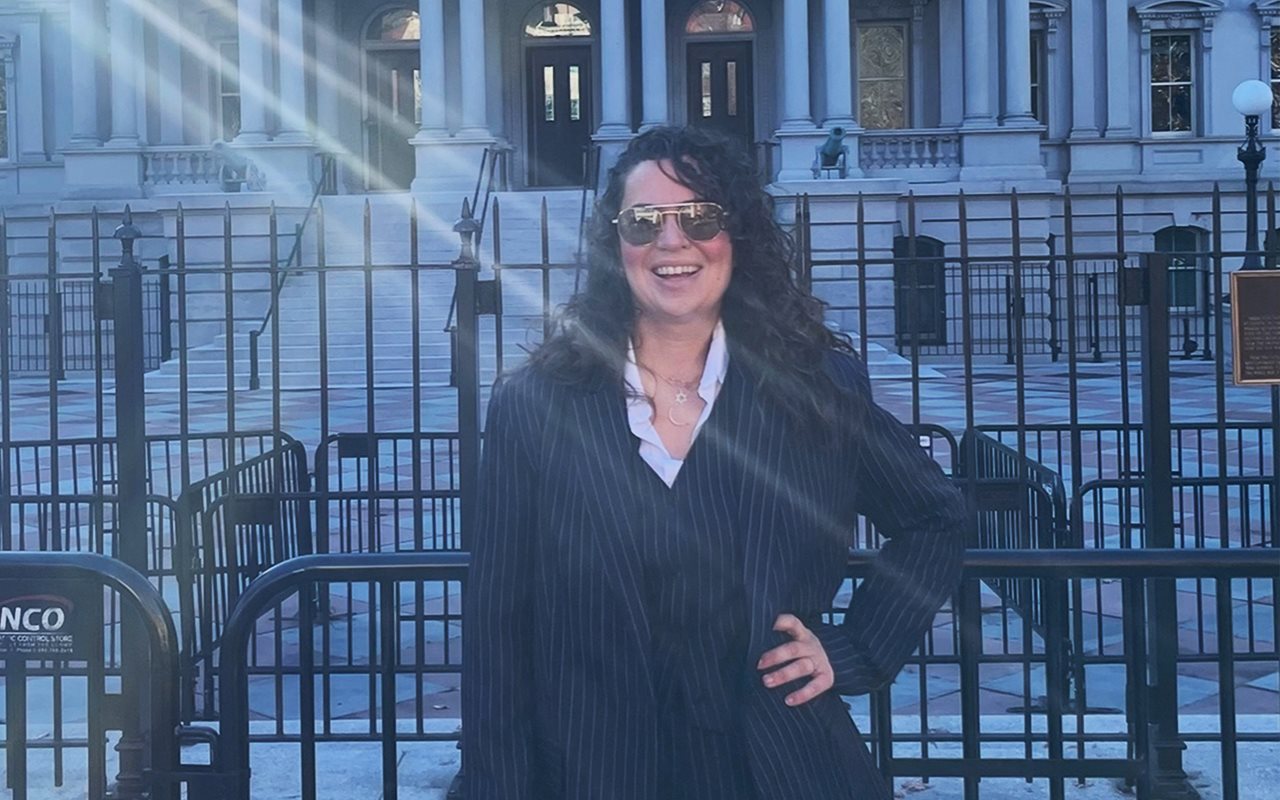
[(777, 328)]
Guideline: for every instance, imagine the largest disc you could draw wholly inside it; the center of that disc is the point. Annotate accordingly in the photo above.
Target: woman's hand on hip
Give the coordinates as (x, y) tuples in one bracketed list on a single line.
[(802, 657)]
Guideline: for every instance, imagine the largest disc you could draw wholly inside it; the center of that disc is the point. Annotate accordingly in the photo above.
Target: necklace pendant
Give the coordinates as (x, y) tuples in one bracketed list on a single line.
[(681, 397)]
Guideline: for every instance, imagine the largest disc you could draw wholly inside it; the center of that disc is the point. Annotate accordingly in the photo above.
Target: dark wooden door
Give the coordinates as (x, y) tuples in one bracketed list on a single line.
[(559, 114), (393, 86), (720, 89)]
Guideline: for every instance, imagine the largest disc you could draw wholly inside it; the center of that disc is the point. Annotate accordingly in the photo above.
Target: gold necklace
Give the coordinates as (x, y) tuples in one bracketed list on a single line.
[(683, 388)]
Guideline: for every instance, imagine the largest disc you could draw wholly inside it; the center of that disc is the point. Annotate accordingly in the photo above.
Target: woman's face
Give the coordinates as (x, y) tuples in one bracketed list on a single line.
[(673, 279)]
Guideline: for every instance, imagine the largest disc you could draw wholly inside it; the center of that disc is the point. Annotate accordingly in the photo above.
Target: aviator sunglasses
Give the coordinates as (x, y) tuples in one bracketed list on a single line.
[(700, 221)]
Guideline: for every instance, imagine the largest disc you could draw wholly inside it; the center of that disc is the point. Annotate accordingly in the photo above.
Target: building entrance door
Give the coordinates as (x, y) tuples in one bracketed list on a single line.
[(720, 88), (394, 88), (559, 113)]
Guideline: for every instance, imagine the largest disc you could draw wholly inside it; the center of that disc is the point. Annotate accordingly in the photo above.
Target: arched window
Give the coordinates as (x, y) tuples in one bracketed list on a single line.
[(555, 20), (719, 16), (395, 25)]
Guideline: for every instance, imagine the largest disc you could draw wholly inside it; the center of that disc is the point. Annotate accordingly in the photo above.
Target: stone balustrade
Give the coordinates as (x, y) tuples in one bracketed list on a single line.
[(893, 150)]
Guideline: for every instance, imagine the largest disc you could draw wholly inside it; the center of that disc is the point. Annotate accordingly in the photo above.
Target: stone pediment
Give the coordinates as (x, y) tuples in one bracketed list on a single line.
[(1177, 14), (1269, 10)]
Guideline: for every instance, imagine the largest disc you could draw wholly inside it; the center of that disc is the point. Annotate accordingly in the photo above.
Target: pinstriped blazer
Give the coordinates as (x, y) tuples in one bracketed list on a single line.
[(557, 696)]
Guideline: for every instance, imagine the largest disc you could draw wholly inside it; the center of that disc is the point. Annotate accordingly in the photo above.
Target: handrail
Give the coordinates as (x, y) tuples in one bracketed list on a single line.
[(295, 255), (490, 158)]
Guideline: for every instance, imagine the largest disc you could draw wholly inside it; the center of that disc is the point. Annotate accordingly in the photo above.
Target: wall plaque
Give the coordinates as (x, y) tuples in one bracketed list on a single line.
[(1255, 326)]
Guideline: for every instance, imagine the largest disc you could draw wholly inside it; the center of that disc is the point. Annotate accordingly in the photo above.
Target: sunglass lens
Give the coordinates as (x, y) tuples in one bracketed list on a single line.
[(701, 222), (638, 230)]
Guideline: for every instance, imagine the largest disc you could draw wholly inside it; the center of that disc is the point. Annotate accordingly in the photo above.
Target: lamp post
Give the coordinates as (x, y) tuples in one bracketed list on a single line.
[(1252, 98)]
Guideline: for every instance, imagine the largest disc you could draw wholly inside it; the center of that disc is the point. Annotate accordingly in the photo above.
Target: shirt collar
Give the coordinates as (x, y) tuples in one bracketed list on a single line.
[(713, 371)]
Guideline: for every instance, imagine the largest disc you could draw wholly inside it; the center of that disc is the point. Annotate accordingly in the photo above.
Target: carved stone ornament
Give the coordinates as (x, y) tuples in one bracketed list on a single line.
[(1177, 14), (1046, 15)]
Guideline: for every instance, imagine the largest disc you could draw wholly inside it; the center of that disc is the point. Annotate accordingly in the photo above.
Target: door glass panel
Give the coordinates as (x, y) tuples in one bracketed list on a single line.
[(395, 90), (549, 93), (575, 99), (706, 88), (731, 68)]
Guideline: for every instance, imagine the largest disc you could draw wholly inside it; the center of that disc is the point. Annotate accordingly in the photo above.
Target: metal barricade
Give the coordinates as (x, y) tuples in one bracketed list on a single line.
[(60, 619)]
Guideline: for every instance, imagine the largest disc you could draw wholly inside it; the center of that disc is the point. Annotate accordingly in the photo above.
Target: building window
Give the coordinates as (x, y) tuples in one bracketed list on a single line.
[(882, 75), (556, 20), (1172, 83), (719, 16), (396, 25), (1039, 86), (1275, 78), (228, 81), (1185, 246)]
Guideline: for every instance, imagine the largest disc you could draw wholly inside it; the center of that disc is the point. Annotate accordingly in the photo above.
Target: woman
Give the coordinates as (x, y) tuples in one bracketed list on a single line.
[(669, 490)]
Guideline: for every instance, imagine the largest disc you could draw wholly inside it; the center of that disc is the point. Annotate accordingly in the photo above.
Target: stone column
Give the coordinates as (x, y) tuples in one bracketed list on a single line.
[(169, 46), (331, 79), (1119, 119), (431, 66), (474, 97), (1084, 116), (977, 64), (795, 67), (124, 69), (613, 68), (84, 46), (839, 51), (292, 70), (253, 71), (1017, 70), (653, 43)]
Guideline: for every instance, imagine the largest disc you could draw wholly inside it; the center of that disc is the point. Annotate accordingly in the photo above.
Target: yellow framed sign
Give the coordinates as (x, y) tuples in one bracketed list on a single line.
[(1255, 326)]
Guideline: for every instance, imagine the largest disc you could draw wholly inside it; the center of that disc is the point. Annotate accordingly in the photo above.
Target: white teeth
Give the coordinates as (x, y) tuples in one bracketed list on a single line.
[(676, 270)]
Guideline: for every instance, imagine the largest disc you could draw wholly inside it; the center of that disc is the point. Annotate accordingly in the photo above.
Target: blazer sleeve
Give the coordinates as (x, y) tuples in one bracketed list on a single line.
[(497, 648), (905, 494)]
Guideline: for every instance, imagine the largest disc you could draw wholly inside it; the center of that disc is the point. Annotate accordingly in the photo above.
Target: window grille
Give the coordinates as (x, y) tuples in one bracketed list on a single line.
[(1172, 83)]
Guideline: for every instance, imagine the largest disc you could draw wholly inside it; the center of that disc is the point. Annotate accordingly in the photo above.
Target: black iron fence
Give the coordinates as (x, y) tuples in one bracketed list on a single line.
[(57, 324), (933, 298), (359, 369)]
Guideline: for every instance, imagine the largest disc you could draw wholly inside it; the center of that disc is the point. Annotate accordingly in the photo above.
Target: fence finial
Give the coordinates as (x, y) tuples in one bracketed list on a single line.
[(127, 232), (466, 227)]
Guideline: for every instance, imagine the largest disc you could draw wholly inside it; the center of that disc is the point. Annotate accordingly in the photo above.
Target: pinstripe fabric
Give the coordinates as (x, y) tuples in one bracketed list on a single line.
[(563, 694)]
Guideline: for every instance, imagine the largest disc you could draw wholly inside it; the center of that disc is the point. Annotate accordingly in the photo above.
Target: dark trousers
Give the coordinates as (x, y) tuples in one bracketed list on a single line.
[(701, 764)]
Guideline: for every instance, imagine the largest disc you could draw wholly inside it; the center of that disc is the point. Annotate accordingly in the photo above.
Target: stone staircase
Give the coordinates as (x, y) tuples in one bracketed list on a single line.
[(366, 318), (380, 301)]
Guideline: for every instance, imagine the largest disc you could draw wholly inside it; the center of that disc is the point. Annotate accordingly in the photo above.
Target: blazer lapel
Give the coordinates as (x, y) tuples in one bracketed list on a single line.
[(611, 498), (747, 442)]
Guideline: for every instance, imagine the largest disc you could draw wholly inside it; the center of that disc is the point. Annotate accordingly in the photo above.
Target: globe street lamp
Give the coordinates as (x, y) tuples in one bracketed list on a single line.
[(1252, 99)]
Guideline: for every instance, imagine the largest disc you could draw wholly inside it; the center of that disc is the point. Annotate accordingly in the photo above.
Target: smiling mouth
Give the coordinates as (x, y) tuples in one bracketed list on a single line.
[(676, 271)]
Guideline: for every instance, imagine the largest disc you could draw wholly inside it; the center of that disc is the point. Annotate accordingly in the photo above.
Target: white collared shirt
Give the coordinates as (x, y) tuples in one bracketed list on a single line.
[(640, 411)]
